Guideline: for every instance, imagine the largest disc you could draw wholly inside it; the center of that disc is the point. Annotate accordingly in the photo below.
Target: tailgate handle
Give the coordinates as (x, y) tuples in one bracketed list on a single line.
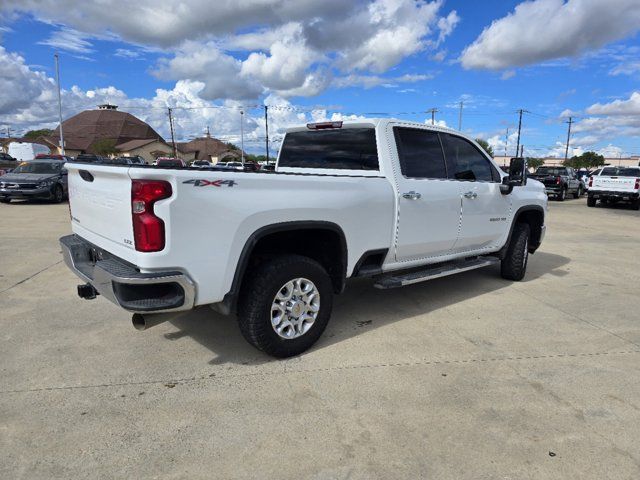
[(86, 175)]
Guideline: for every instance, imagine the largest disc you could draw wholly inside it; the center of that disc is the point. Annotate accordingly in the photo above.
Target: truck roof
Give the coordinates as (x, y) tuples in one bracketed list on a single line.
[(374, 122)]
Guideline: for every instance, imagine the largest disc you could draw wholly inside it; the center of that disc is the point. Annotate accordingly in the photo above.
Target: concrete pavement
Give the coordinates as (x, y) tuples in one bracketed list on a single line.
[(468, 376)]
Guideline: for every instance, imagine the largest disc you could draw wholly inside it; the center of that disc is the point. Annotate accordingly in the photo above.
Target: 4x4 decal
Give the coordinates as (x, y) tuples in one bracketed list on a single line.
[(214, 183)]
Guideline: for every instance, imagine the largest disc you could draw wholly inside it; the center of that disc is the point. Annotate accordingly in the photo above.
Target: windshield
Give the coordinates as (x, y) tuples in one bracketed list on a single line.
[(38, 167), (345, 148), (551, 171), (620, 172)]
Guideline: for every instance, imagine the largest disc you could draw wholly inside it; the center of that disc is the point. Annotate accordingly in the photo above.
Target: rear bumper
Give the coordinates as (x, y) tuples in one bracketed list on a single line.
[(553, 189), (613, 194), (123, 283)]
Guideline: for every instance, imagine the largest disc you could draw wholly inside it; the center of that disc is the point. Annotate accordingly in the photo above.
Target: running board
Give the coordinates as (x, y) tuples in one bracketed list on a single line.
[(392, 280)]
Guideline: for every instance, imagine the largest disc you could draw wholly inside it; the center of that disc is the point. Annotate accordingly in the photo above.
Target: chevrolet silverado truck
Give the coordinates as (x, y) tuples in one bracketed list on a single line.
[(615, 184), (559, 181), (396, 201)]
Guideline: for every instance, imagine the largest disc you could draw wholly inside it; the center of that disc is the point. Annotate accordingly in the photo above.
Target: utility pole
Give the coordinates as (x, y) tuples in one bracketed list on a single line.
[(173, 138), (59, 103), (521, 111), (566, 150), (242, 136), (433, 115), (506, 143), (266, 129), (522, 150), (460, 116), (208, 132), (8, 132)]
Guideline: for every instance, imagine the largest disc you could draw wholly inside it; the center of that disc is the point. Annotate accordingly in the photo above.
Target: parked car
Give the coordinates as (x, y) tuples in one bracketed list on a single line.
[(23, 151), (90, 158), (38, 179), (359, 199), (559, 181), (235, 165), (167, 162), (7, 163), (201, 164), (615, 184)]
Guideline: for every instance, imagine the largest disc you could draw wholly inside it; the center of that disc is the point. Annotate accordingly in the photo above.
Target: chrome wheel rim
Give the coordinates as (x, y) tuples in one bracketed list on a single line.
[(295, 308)]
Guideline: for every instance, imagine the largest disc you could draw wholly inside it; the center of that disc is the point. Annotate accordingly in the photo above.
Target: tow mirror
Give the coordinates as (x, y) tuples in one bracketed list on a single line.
[(517, 175)]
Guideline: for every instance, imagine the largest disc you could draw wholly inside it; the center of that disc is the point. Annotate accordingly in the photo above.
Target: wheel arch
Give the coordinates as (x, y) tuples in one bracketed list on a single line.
[(533, 215), (266, 241)]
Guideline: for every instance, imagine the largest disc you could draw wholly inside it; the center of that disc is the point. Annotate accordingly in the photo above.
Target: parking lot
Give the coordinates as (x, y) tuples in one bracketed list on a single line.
[(468, 376)]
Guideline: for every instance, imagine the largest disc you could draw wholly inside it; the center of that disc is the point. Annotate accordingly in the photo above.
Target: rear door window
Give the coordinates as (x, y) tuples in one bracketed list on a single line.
[(420, 153), (465, 162), (342, 149)]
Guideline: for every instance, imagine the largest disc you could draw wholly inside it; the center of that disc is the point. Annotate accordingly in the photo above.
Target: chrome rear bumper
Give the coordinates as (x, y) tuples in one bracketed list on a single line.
[(123, 283)]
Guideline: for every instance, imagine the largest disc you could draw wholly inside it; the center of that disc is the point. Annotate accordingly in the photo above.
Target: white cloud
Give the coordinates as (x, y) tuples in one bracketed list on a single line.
[(370, 81), (70, 40), (127, 53), (627, 68), (542, 30), (507, 74), (617, 107)]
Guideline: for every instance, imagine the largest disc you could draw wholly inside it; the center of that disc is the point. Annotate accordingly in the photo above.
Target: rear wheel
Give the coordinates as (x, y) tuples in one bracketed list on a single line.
[(591, 201), (285, 305), (514, 264), (5, 200), (635, 205)]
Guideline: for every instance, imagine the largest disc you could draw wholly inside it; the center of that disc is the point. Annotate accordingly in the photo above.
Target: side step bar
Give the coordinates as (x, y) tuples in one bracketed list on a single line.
[(394, 280)]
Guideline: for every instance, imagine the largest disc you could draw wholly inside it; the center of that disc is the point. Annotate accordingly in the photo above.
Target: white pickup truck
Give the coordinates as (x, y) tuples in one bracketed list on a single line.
[(397, 201), (615, 184)]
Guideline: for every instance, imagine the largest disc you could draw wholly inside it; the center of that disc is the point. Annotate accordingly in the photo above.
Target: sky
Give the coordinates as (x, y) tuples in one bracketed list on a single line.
[(310, 60)]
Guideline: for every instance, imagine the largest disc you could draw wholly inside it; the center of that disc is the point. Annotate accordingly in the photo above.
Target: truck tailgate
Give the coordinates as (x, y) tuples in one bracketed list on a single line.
[(100, 204), (614, 184)]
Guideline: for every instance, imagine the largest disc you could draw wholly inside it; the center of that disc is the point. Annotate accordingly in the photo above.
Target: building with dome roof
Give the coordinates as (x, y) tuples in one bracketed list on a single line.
[(88, 130)]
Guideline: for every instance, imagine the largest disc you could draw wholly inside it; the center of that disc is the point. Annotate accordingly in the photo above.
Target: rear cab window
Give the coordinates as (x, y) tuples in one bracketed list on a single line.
[(620, 172), (351, 148)]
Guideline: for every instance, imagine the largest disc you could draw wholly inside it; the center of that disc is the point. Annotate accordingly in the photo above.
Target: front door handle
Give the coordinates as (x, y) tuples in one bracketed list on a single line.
[(470, 195), (412, 195)]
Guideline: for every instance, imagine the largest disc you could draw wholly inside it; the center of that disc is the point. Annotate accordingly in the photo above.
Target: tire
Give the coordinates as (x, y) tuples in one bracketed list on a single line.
[(578, 193), (514, 264), (261, 293), (562, 195), (5, 200), (635, 205), (591, 201), (57, 195)]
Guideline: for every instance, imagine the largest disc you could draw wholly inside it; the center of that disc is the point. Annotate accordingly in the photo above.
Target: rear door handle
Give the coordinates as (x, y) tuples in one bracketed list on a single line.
[(470, 195), (412, 195)]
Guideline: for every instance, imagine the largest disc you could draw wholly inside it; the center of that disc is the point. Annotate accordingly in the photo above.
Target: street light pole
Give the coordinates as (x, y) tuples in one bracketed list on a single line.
[(242, 136), (59, 103)]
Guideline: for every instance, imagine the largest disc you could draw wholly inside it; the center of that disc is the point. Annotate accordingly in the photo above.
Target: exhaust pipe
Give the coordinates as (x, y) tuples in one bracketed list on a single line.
[(144, 321)]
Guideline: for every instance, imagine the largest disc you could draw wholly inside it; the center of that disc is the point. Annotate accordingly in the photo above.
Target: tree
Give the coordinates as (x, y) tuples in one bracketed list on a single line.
[(534, 163), (586, 160), (231, 146), (485, 146), (34, 134), (105, 146)]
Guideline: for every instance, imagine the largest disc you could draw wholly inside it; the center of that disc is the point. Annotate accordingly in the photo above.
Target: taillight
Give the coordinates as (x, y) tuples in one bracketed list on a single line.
[(637, 185), (148, 230), (559, 180), (590, 182)]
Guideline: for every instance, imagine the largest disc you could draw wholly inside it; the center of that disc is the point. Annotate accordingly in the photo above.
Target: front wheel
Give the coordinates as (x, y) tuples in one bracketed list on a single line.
[(285, 305), (514, 263), (578, 193), (562, 195), (57, 194)]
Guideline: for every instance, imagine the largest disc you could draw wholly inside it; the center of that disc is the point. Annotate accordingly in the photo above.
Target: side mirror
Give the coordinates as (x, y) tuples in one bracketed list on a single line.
[(517, 175)]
